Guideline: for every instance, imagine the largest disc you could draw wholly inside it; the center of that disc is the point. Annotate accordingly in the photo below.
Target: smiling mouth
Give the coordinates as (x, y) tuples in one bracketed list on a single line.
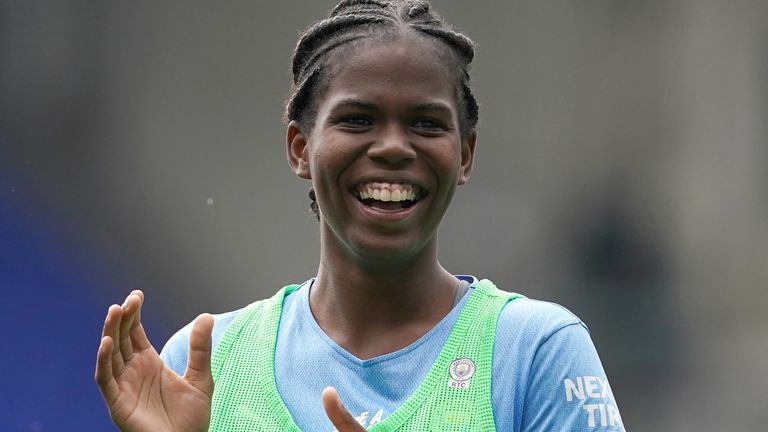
[(389, 196)]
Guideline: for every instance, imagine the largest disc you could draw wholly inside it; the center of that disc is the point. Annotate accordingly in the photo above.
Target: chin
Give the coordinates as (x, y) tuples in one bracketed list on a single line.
[(387, 249)]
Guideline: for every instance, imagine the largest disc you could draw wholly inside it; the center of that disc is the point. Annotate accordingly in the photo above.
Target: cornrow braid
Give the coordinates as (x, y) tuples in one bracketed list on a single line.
[(318, 40), (346, 4), (355, 20), (461, 43), (416, 9)]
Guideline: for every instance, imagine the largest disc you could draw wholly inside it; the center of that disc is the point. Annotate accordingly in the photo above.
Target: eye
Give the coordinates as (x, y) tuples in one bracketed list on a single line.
[(429, 125), (355, 121)]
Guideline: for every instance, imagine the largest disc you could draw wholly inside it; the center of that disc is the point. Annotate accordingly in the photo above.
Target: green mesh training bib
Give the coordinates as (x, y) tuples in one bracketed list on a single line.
[(454, 396)]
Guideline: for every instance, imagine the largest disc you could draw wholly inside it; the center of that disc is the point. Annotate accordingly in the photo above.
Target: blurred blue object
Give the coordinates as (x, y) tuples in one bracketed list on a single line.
[(53, 293)]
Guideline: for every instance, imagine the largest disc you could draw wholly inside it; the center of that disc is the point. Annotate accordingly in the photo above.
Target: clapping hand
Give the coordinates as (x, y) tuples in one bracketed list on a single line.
[(141, 392), (144, 395)]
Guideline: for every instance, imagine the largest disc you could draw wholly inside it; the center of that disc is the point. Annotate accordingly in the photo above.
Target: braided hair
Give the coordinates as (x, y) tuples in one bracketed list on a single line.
[(352, 21)]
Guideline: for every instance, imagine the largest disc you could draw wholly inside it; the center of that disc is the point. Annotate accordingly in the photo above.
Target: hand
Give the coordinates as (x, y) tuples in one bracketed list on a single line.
[(339, 416), (142, 394)]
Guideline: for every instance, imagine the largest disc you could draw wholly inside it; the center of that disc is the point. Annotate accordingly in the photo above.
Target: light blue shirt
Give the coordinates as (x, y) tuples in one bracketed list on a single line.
[(546, 372)]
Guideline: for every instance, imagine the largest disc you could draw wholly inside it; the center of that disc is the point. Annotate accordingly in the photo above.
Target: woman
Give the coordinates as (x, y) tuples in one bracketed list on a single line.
[(382, 122)]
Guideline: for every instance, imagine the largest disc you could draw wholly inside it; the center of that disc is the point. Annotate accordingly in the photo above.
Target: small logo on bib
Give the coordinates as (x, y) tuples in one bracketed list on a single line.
[(461, 371)]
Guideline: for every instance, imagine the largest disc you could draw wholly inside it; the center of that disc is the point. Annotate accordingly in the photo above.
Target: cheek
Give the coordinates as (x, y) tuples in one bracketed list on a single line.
[(328, 161), (444, 161), (323, 159)]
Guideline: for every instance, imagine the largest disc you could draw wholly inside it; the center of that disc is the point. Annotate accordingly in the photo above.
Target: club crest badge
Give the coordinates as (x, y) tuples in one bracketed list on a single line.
[(461, 371)]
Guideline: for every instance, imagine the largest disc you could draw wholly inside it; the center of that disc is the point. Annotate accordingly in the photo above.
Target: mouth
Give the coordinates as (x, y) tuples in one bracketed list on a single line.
[(389, 197)]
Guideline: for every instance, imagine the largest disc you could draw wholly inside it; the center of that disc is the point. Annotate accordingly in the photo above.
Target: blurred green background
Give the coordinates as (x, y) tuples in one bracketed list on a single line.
[(622, 171)]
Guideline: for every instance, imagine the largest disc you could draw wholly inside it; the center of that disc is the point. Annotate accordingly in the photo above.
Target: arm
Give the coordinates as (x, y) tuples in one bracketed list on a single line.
[(141, 393)]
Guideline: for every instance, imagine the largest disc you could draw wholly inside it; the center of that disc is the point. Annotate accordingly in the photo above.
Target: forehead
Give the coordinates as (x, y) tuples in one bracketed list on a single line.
[(394, 68)]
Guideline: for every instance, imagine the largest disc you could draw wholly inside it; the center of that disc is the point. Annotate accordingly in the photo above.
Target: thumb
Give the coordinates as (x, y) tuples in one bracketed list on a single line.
[(339, 416), (198, 371)]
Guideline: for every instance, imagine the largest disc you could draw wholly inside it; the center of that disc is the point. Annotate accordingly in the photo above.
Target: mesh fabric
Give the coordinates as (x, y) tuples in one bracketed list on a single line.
[(246, 397)]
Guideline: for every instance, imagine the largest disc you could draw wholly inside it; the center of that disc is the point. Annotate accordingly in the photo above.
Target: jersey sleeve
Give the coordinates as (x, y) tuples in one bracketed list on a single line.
[(568, 389), (176, 350)]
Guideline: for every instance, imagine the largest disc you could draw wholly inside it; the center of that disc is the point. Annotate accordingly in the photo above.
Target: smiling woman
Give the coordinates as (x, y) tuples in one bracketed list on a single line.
[(382, 123)]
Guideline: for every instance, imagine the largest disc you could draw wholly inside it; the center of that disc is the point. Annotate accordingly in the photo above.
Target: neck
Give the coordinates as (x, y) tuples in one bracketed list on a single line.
[(388, 301)]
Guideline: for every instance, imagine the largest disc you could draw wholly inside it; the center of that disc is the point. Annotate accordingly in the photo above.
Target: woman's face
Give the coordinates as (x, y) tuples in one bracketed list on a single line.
[(385, 154)]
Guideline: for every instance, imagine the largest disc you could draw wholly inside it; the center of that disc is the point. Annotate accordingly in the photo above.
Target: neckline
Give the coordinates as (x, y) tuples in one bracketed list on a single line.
[(448, 320), (470, 305)]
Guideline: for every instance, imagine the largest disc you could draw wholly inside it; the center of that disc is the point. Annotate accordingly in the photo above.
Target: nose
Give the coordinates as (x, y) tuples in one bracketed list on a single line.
[(392, 146)]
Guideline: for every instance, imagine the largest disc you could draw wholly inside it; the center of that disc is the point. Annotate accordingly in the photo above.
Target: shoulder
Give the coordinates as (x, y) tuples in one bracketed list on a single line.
[(527, 329), (524, 322), (523, 316), (535, 319)]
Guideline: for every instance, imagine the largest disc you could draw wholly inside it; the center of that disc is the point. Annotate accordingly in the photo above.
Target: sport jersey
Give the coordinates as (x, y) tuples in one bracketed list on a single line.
[(454, 396), (546, 375)]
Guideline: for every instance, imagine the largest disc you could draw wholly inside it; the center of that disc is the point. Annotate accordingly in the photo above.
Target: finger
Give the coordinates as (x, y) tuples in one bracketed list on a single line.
[(140, 295), (112, 330), (130, 308), (138, 336), (198, 371), (104, 378), (339, 416)]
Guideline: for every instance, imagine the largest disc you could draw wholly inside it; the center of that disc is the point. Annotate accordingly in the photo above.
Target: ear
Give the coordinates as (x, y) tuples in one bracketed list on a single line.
[(467, 157), (296, 146)]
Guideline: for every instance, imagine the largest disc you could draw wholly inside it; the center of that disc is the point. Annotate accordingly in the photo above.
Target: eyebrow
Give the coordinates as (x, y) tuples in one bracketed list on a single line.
[(421, 107), (433, 106), (353, 103)]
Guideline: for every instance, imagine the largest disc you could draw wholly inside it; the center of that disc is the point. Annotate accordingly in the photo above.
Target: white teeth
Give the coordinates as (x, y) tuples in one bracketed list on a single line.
[(394, 192)]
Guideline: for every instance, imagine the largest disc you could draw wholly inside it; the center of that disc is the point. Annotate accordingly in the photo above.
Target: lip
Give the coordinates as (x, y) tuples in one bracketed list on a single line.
[(383, 215), (394, 215), (391, 180)]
